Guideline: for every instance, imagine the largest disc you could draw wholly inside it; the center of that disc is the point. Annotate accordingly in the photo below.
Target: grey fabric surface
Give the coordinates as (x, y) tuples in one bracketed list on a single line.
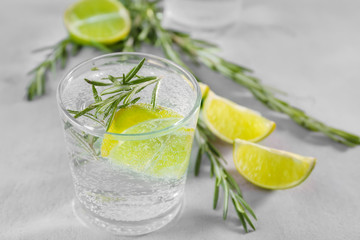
[(309, 49)]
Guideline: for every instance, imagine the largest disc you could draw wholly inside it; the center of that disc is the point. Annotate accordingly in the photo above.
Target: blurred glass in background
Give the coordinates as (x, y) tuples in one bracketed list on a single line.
[(202, 14)]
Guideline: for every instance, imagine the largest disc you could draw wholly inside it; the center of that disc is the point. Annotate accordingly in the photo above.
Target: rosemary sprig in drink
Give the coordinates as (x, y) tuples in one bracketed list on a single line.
[(122, 90)]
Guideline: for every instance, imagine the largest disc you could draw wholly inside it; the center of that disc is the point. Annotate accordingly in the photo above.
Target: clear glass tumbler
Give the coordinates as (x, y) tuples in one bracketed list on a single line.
[(202, 14), (130, 183)]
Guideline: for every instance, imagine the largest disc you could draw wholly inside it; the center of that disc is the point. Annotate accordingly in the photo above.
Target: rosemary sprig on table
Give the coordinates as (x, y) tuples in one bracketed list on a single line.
[(59, 54), (205, 53), (223, 178), (122, 90), (200, 51)]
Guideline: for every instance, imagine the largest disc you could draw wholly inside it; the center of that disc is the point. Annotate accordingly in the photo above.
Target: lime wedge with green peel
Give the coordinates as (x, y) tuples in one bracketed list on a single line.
[(204, 89), (100, 21), (228, 120), (271, 168), (161, 156)]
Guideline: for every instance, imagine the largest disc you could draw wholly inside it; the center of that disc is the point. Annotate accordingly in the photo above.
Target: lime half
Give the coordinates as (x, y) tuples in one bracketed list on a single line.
[(101, 21)]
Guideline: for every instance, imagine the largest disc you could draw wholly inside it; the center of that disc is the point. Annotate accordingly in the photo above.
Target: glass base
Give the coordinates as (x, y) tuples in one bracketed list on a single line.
[(125, 228)]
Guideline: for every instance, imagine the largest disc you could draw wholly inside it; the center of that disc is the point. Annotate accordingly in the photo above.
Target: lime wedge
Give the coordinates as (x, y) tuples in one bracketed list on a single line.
[(204, 89), (228, 120), (101, 21), (271, 168)]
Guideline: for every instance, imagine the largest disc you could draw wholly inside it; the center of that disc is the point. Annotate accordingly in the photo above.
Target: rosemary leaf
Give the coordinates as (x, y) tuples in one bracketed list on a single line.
[(112, 112), (141, 80), (94, 118), (198, 160), (95, 94), (128, 97), (133, 71), (104, 108), (135, 100), (232, 182), (86, 110), (242, 220), (237, 205), (96, 83), (72, 111), (226, 198), (249, 221), (154, 95), (246, 205), (216, 195), (112, 78), (115, 89)]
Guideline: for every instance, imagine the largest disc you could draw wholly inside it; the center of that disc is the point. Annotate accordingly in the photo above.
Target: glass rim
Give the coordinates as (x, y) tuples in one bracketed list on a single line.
[(133, 136)]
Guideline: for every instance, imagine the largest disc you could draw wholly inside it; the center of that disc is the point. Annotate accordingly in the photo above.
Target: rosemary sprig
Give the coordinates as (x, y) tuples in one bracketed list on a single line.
[(200, 51), (205, 53), (222, 178), (121, 89), (86, 141), (59, 54)]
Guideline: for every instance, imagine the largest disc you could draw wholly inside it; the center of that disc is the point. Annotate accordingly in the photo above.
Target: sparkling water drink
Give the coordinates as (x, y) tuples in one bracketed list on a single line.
[(202, 14), (130, 183)]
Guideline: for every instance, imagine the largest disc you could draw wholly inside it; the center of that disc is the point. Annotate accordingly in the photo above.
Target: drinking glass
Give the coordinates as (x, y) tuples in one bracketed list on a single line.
[(202, 14), (129, 183)]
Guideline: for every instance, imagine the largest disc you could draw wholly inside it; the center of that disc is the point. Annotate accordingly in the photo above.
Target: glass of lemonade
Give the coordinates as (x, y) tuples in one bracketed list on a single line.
[(130, 179)]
